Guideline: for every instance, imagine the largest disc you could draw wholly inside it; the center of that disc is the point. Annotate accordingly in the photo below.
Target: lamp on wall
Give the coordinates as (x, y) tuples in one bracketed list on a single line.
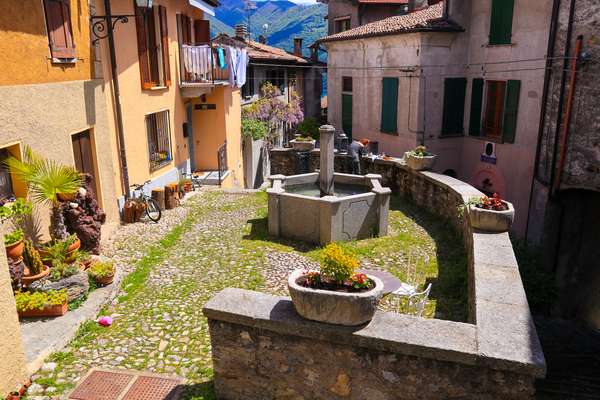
[(342, 143)]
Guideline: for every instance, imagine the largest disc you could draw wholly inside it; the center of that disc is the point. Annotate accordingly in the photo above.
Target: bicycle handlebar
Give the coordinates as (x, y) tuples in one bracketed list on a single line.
[(137, 185)]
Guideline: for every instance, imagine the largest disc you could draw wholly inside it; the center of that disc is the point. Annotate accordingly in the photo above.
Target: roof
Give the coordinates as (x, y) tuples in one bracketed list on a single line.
[(423, 20), (263, 52), (383, 1)]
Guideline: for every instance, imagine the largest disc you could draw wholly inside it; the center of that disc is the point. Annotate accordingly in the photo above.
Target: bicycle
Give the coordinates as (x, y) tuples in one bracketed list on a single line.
[(150, 205)]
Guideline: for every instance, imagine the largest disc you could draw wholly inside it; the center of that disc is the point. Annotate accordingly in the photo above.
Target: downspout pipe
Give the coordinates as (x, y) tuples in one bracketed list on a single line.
[(568, 113), (117, 101)]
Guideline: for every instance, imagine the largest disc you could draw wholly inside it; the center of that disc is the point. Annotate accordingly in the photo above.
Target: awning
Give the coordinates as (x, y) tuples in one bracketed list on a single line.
[(207, 8)]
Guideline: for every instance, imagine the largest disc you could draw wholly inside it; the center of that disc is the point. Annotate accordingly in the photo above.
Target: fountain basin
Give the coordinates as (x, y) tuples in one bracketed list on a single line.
[(358, 208)]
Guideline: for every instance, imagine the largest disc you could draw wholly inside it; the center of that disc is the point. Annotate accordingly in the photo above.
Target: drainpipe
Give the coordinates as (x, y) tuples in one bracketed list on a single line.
[(117, 100), (568, 113)]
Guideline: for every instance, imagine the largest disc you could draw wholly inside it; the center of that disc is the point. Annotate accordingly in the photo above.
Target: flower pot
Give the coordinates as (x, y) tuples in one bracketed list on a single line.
[(334, 307), (47, 311), (187, 187), (107, 280), (491, 220), (15, 250), (66, 197), (76, 245), (419, 163), (26, 280), (299, 145)]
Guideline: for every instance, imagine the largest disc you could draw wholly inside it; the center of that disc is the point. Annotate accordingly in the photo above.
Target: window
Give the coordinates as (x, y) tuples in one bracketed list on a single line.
[(201, 31), (58, 23), (454, 106), (389, 105), (347, 84), (153, 47), (501, 21), (159, 140), (6, 187), (501, 109), (248, 88), (342, 24), (277, 78)]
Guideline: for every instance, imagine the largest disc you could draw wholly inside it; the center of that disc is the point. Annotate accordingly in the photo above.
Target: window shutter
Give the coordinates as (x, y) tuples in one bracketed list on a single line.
[(202, 31), (455, 90), (58, 22), (501, 21), (476, 107), (140, 25), (511, 109), (164, 37), (389, 105)]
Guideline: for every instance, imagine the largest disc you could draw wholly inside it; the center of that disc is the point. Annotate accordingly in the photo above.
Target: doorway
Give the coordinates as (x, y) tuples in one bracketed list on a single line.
[(189, 132), (83, 154)]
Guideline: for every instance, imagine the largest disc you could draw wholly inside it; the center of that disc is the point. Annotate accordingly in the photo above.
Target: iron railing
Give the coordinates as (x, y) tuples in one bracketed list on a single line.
[(199, 64), (222, 161)]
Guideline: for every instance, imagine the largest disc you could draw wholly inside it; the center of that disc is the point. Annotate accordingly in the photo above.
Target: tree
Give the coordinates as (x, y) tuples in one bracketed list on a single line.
[(46, 180)]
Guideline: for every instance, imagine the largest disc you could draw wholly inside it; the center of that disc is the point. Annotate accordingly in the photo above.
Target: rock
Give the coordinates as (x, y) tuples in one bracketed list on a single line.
[(162, 345), (49, 367), (342, 385), (76, 285)]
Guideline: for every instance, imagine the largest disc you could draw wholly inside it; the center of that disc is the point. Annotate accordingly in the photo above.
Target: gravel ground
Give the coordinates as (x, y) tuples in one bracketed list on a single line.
[(215, 240)]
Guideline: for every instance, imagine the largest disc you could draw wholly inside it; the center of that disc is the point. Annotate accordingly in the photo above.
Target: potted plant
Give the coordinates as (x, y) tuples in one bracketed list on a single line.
[(419, 159), (308, 132), (13, 242), (34, 268), (60, 250), (52, 303), (491, 214), (336, 294), (102, 272)]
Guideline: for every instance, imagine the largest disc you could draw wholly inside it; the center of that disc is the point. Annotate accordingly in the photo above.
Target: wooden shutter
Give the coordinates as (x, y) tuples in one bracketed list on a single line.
[(142, 45), (511, 109), (164, 37), (476, 107), (201, 31), (60, 34), (501, 21), (389, 105), (347, 115), (454, 106), (186, 29)]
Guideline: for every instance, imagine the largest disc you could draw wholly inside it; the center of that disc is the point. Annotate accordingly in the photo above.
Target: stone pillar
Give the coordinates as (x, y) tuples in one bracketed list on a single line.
[(273, 193), (13, 369), (327, 158)]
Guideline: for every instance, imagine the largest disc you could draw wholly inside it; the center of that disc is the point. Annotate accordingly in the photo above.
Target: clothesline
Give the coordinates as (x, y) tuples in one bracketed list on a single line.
[(200, 62)]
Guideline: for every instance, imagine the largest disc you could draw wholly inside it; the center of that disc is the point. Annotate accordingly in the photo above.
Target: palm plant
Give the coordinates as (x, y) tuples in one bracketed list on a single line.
[(46, 180)]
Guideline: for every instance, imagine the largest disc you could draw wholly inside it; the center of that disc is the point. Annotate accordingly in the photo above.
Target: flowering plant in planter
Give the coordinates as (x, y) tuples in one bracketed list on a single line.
[(489, 213), (419, 158), (335, 294), (52, 303)]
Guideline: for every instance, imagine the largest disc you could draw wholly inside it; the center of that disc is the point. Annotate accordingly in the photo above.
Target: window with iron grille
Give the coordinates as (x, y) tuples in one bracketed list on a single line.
[(159, 140)]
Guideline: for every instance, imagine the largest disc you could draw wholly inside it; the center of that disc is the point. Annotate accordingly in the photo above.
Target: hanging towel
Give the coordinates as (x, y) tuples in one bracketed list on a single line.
[(243, 61), (221, 57), (232, 60)]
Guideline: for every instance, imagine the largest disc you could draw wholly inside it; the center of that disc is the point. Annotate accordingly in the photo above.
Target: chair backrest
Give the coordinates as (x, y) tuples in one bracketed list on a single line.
[(417, 301)]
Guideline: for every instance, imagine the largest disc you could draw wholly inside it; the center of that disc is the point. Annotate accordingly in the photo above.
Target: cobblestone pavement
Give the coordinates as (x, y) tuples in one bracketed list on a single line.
[(215, 240)]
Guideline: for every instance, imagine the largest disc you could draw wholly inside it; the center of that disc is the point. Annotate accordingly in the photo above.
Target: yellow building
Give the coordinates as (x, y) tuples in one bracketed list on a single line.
[(174, 120)]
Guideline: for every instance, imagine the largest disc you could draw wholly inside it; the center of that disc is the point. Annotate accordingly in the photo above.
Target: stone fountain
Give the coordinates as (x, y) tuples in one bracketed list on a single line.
[(328, 207)]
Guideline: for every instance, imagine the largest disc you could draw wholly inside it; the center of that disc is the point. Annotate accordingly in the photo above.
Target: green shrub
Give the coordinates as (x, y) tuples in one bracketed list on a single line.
[(309, 128), (101, 269), (32, 258), (13, 237), (61, 270), (38, 300), (254, 128), (337, 264)]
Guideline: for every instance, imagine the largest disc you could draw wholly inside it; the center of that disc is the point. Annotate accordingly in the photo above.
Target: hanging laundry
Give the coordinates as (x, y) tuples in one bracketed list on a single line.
[(242, 65), (221, 57), (232, 60)]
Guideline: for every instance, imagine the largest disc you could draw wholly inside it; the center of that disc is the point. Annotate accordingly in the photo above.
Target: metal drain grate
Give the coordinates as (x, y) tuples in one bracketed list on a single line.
[(127, 385), (152, 388), (102, 385)]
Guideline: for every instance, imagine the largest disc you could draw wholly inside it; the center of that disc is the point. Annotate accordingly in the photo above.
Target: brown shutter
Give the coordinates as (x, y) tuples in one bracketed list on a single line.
[(142, 45), (58, 22), (164, 36), (201, 31), (186, 29)]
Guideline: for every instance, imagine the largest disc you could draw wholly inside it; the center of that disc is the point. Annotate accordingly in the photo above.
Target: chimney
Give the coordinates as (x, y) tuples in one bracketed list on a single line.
[(262, 39), (241, 32), (298, 47)]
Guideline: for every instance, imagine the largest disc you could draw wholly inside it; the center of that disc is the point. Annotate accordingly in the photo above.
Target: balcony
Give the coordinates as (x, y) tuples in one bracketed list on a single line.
[(199, 70)]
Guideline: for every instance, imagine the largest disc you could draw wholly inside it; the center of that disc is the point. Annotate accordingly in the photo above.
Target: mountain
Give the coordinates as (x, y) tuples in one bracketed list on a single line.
[(285, 20)]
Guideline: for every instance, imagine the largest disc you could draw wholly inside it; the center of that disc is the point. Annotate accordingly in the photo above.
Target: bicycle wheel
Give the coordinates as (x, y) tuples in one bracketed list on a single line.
[(152, 210)]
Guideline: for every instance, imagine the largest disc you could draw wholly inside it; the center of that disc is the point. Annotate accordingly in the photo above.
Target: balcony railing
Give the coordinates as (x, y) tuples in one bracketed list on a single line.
[(199, 64)]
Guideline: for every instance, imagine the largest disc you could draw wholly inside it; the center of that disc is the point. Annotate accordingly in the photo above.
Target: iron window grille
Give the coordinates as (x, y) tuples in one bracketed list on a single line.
[(159, 140)]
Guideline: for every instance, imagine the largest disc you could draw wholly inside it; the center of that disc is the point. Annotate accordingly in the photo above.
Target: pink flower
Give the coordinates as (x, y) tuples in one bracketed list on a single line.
[(105, 321)]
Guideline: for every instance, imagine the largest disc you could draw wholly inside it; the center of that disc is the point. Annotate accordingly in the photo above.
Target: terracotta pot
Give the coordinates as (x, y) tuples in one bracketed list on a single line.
[(66, 197), (187, 187), (75, 246), (15, 250), (107, 280), (48, 311), (70, 254), (491, 220), (26, 280)]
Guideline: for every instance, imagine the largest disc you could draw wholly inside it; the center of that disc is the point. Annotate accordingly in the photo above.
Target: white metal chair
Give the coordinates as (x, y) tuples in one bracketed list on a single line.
[(416, 302)]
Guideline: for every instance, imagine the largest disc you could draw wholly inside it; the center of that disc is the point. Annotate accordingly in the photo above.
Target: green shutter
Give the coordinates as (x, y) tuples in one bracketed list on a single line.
[(501, 21), (476, 107), (455, 90), (389, 105), (511, 108), (347, 114)]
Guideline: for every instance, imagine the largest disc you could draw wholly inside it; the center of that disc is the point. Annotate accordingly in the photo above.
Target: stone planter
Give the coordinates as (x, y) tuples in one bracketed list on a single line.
[(419, 163), (491, 220), (334, 307), (299, 145)]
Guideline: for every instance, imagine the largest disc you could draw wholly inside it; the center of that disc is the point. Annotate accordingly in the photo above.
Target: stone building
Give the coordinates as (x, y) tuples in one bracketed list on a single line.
[(464, 78), (348, 14), (565, 207)]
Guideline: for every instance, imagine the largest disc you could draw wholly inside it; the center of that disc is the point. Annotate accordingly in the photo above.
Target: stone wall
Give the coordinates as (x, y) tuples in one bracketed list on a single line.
[(263, 349)]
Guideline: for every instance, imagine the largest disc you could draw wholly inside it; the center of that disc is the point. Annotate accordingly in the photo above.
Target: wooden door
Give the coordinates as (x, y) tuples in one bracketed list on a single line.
[(83, 154)]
